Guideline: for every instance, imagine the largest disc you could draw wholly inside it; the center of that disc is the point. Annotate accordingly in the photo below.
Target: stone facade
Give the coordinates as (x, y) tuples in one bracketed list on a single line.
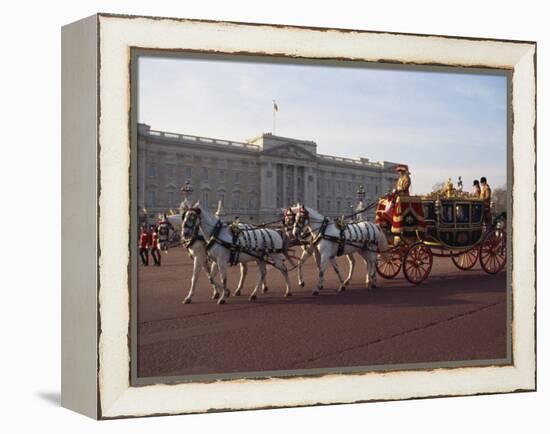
[(253, 179)]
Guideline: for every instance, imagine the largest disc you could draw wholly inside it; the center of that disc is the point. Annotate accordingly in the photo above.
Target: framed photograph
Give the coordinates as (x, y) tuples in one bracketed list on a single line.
[(262, 216)]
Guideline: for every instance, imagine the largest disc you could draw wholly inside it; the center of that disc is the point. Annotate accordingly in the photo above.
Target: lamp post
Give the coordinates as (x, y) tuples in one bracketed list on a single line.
[(360, 205), (360, 194), (187, 189)]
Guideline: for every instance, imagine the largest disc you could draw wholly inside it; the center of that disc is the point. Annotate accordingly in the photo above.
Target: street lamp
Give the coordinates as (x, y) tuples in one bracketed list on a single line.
[(360, 205), (187, 189), (360, 194)]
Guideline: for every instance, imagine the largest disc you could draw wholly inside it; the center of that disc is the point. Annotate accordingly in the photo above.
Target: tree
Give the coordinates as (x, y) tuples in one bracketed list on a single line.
[(499, 197)]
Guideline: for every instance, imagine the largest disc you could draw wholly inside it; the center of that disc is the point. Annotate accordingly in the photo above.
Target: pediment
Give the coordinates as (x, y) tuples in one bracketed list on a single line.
[(289, 150)]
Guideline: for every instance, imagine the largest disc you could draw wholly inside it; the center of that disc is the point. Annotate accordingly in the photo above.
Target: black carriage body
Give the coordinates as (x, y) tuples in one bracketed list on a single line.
[(458, 224)]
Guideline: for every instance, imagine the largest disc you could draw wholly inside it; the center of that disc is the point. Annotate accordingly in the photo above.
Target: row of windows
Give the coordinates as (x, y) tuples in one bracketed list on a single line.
[(329, 186), (205, 198), (170, 171)]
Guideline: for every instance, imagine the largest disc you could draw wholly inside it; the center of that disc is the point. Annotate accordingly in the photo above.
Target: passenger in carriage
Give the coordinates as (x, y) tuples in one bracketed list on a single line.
[(486, 196), (476, 189)]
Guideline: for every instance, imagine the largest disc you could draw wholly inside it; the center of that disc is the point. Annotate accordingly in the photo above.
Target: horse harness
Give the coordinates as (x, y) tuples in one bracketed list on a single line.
[(355, 236), (244, 240)]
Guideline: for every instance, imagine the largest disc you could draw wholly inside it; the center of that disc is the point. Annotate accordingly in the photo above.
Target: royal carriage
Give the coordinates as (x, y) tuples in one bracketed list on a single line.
[(421, 227)]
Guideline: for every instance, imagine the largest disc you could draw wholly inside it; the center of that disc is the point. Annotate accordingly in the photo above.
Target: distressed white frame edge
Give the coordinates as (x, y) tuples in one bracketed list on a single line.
[(117, 35)]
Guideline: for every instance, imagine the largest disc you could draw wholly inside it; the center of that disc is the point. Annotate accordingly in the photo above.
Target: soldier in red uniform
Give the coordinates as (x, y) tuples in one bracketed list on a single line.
[(144, 242), (155, 245)]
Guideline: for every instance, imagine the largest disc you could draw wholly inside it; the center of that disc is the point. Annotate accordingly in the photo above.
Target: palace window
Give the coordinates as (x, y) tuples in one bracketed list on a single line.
[(152, 170), (204, 173), (236, 200), (252, 201), (221, 175), (205, 199), (170, 170), (236, 177), (151, 199), (188, 172), (170, 198)]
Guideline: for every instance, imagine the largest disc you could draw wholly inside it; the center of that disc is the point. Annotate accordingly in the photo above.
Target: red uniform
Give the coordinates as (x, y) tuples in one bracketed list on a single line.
[(144, 240), (144, 243), (154, 241), (155, 250)]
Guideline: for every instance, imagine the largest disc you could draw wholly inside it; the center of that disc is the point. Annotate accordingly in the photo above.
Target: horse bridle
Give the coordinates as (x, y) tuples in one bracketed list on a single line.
[(301, 222), (194, 219)]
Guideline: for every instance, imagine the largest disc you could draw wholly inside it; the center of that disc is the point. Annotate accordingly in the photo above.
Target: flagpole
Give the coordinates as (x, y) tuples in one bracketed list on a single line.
[(274, 117)]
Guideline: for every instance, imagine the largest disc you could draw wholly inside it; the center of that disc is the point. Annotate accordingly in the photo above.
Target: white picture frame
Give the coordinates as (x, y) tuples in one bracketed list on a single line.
[(96, 214)]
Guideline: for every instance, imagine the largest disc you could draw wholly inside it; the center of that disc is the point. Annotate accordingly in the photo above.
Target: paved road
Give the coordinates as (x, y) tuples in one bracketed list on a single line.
[(454, 315)]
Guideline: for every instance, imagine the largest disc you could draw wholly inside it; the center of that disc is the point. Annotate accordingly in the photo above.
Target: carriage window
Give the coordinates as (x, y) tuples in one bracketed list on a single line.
[(462, 213), (447, 213), (429, 211), (477, 211)]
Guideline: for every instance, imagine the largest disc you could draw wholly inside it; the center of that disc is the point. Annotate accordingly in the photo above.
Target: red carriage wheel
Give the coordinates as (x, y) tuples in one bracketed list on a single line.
[(418, 263), (466, 260), (493, 252), (390, 266)]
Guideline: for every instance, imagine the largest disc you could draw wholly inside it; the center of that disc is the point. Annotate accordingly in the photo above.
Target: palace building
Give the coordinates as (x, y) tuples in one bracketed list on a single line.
[(253, 179)]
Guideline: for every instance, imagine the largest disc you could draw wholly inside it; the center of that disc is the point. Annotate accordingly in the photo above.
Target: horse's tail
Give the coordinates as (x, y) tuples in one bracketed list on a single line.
[(382, 243)]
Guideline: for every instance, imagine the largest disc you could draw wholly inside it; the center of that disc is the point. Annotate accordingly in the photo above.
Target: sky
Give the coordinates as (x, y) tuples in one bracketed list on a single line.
[(441, 124)]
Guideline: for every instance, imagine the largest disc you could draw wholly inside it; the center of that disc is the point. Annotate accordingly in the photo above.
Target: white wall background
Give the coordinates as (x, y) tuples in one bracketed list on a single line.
[(30, 216)]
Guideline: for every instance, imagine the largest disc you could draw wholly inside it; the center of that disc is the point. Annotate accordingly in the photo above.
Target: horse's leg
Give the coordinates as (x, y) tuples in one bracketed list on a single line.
[(197, 265), (244, 270), (265, 288), (284, 271), (369, 266), (222, 267), (351, 261), (372, 257), (334, 264), (323, 262), (261, 279), (305, 254), (211, 273)]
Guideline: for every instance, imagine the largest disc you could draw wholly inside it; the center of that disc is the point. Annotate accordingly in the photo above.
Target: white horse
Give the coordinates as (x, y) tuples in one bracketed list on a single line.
[(308, 249), (365, 238), (258, 245), (196, 247)]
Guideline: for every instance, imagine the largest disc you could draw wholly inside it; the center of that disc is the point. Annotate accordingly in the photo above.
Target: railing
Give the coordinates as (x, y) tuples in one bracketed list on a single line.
[(356, 161), (208, 140), (251, 147)]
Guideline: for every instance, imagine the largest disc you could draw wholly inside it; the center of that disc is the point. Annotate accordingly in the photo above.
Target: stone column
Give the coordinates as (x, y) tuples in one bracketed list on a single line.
[(268, 189), (310, 188), (295, 182), (285, 185), (142, 174)]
